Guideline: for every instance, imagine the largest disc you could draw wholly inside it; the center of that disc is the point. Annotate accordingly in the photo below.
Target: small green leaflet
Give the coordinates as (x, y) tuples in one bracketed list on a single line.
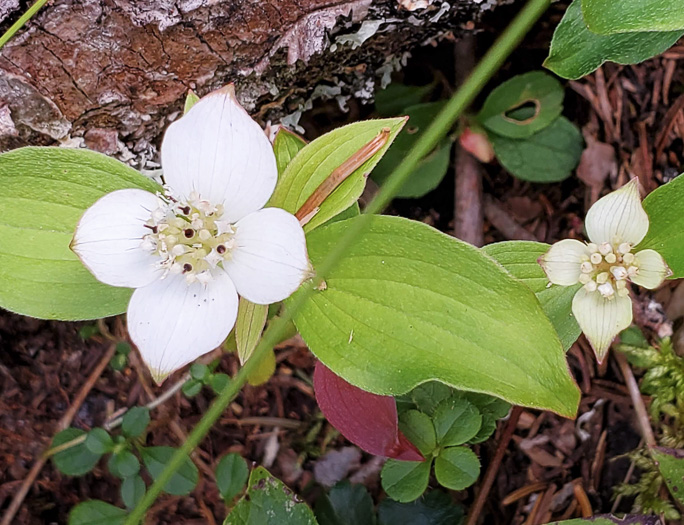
[(231, 475), (135, 421), (316, 161), (537, 89), (183, 480), (607, 17), (456, 421), (45, 192), (419, 430), (576, 51), (520, 258), (132, 490), (549, 155), (96, 512), (269, 502), (76, 460), (405, 481), (666, 232), (457, 468), (285, 146), (408, 304)]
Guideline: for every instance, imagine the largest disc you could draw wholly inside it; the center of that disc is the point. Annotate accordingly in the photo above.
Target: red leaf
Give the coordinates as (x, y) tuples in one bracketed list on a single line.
[(367, 420)]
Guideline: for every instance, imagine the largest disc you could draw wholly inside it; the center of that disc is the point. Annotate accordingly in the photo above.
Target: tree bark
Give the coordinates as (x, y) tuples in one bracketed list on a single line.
[(111, 74)]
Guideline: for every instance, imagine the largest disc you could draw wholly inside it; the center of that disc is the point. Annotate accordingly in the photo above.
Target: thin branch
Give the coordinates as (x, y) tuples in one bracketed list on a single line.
[(493, 467), (637, 400)]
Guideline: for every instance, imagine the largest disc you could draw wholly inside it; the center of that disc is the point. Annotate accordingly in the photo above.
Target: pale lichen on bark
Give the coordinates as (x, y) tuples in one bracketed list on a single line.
[(111, 74)]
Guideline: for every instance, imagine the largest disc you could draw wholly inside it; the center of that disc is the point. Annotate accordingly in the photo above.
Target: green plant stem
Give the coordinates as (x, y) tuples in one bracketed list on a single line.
[(16, 26), (482, 73)]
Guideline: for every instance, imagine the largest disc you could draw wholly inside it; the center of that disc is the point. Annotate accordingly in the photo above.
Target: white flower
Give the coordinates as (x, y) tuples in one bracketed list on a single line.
[(602, 307), (190, 251)]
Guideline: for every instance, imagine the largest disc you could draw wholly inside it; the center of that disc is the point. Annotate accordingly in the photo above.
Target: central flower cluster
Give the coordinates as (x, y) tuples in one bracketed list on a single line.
[(605, 268), (190, 236)]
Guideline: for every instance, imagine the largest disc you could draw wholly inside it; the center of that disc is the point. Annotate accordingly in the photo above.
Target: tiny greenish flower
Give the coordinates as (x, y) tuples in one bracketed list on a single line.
[(614, 224), (190, 250)]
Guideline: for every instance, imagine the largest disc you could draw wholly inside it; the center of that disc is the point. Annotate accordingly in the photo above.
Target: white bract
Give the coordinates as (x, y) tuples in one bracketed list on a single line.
[(614, 224), (190, 251)]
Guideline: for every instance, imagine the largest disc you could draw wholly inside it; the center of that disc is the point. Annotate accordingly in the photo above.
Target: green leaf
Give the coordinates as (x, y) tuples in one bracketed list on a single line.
[(190, 100), (132, 491), (231, 475), (419, 430), (76, 460), (670, 462), (431, 170), (408, 304), (576, 51), (218, 382), (44, 193), (317, 160), (123, 464), (269, 502), (192, 388), (183, 480), (96, 512), (608, 17), (456, 421), (666, 232), (434, 508), (345, 504), (122, 348), (251, 320), (135, 421), (285, 146), (99, 441), (199, 371), (536, 89), (457, 468), (520, 258), (492, 409), (395, 98), (547, 156), (405, 480), (428, 395)]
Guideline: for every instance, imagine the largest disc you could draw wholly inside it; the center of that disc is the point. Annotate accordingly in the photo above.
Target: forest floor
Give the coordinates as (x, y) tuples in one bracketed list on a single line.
[(553, 468)]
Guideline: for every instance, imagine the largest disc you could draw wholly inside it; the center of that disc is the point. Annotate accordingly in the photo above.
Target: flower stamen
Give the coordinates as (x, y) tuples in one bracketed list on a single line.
[(605, 269), (189, 237)]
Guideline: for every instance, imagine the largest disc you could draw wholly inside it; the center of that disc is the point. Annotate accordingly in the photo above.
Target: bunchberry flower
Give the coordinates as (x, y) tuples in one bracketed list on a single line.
[(190, 250), (614, 224)]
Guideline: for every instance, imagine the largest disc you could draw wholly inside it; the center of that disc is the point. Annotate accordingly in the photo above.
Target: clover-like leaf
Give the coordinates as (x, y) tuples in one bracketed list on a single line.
[(457, 468), (549, 155), (502, 111), (405, 480)]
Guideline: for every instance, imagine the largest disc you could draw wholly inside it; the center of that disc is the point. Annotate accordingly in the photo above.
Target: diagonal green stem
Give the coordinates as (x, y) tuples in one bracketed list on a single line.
[(16, 26), (484, 71)]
